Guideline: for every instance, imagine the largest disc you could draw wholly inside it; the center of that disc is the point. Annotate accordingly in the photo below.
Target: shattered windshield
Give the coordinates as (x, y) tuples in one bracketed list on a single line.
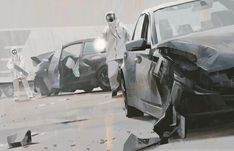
[(193, 17)]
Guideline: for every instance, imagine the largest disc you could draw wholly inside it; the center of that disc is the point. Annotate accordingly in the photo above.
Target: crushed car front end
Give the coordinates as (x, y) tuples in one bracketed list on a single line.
[(203, 71)]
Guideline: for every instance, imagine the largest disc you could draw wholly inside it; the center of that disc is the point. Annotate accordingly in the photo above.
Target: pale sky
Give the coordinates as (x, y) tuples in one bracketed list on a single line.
[(54, 13)]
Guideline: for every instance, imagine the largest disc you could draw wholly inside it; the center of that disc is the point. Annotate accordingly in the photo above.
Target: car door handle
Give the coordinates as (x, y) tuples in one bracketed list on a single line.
[(138, 59)]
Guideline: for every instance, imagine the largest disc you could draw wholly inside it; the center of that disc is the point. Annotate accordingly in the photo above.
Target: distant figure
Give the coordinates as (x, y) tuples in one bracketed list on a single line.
[(16, 65), (116, 36)]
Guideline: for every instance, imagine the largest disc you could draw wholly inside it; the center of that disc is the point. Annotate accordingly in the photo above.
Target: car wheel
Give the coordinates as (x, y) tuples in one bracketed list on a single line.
[(8, 90), (88, 90), (103, 79), (129, 110)]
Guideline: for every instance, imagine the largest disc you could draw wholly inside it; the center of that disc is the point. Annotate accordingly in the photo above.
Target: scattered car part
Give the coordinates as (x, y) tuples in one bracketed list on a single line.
[(12, 140), (133, 143)]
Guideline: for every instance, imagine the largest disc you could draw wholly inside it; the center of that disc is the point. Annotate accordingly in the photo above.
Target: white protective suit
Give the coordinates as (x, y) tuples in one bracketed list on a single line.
[(17, 76), (116, 36)]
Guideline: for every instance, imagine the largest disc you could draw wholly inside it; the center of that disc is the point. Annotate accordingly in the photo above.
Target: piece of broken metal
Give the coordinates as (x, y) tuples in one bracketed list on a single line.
[(134, 143), (12, 140)]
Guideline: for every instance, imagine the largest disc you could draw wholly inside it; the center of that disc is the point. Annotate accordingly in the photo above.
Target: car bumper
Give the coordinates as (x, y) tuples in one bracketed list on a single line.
[(195, 101)]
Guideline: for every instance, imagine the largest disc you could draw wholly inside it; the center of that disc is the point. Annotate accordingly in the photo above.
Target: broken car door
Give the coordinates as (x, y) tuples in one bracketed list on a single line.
[(69, 64), (130, 65), (53, 71), (147, 91)]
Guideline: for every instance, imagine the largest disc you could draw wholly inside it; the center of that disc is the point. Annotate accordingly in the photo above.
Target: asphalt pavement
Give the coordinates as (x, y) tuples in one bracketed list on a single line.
[(93, 121)]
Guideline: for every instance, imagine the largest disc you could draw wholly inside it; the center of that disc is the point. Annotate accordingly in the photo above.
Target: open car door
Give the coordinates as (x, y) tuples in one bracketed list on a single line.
[(53, 71), (70, 64)]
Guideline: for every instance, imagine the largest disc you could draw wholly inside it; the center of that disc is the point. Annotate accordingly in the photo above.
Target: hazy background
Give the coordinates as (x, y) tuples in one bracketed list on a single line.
[(38, 26), (57, 13)]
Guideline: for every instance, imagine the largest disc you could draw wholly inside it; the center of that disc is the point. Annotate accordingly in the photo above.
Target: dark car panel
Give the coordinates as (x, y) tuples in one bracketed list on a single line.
[(60, 77), (188, 75), (218, 49)]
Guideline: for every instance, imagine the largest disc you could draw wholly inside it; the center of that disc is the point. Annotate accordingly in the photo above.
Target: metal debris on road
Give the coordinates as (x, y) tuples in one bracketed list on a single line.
[(134, 143), (27, 140), (73, 145), (102, 141)]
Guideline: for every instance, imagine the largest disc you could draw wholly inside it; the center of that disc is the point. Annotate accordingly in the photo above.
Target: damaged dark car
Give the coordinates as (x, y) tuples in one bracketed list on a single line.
[(180, 63), (74, 66)]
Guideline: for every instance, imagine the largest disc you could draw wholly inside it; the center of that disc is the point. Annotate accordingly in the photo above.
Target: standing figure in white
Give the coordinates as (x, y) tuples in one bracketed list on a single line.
[(16, 65), (116, 36)]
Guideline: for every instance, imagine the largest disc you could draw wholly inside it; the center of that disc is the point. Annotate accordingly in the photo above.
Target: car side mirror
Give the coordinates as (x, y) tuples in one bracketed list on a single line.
[(137, 45)]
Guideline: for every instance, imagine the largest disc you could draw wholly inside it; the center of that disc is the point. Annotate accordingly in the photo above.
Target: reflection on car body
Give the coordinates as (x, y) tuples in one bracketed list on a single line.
[(179, 63), (77, 65)]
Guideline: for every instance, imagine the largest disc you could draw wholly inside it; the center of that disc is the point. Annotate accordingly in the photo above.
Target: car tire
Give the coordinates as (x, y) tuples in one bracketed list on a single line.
[(102, 78), (129, 110), (88, 90), (8, 90)]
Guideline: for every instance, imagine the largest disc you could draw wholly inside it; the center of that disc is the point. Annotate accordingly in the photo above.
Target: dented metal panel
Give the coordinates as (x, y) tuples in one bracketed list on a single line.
[(213, 49)]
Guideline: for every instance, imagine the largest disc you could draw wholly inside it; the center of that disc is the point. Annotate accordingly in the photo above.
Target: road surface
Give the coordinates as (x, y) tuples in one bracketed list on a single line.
[(92, 121)]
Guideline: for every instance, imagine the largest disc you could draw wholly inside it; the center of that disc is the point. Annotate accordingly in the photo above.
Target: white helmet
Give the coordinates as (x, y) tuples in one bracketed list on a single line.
[(110, 17), (14, 51)]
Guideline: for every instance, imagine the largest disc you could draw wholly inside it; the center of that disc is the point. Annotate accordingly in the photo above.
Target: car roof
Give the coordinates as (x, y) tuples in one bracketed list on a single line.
[(78, 41), (168, 4)]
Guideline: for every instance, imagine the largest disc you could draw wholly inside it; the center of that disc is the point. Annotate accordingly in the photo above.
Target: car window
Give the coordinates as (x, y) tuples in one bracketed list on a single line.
[(72, 50), (89, 48), (138, 29), (146, 29), (193, 17)]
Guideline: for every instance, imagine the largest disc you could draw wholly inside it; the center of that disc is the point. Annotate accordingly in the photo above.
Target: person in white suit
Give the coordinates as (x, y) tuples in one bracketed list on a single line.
[(14, 63), (115, 35)]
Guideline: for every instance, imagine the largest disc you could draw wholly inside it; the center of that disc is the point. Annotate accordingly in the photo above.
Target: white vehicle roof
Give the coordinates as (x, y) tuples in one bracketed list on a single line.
[(164, 5)]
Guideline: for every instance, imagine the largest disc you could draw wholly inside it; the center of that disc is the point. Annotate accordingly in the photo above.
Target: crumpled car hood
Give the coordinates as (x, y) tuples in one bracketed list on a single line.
[(38, 59), (214, 49)]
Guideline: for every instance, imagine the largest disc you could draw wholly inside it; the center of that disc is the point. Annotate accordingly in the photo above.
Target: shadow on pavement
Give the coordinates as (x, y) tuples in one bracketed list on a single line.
[(75, 93), (145, 118)]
